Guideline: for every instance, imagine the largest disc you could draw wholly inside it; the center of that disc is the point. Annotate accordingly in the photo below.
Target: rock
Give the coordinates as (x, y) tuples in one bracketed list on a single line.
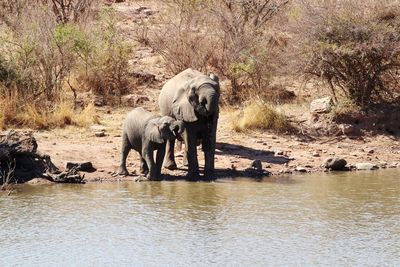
[(99, 134), (300, 169), (315, 154), (82, 166), (39, 181), (335, 164), (143, 77), (133, 100), (98, 101), (257, 165), (349, 130), (97, 128), (286, 171), (393, 165), (278, 153), (148, 12), (321, 105), (366, 166)]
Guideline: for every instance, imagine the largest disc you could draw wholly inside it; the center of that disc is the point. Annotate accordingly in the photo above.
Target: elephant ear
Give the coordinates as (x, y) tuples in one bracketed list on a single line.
[(153, 132), (181, 106)]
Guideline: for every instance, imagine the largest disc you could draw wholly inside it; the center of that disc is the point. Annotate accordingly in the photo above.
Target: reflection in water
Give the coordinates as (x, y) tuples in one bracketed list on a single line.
[(344, 219)]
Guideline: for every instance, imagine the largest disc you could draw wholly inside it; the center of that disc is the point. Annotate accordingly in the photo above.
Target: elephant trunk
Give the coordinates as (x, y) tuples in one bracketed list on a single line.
[(212, 99), (177, 129)]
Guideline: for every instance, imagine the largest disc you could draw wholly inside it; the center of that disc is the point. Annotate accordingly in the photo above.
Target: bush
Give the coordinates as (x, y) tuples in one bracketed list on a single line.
[(107, 60), (232, 38), (261, 116), (181, 36), (42, 55), (356, 51)]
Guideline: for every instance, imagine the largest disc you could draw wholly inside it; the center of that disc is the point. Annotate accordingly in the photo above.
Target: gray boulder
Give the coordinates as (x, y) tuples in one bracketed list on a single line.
[(335, 164)]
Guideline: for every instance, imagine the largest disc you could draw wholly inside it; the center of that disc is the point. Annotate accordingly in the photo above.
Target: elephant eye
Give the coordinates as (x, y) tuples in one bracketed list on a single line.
[(193, 98)]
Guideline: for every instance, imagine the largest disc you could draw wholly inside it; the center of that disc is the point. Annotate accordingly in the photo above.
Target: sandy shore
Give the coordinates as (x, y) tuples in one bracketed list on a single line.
[(279, 154)]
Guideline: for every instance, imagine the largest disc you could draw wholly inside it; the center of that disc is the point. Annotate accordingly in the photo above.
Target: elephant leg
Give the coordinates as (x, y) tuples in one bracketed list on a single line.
[(126, 147), (159, 160), (144, 169), (191, 152), (209, 143), (169, 159), (148, 157)]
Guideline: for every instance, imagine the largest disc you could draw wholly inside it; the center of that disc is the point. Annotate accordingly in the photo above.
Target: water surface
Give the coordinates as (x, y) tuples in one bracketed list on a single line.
[(349, 219)]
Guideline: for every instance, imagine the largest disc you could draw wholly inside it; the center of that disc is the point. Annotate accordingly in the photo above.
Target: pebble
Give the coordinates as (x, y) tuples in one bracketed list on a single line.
[(300, 169), (286, 170), (316, 154), (99, 134)]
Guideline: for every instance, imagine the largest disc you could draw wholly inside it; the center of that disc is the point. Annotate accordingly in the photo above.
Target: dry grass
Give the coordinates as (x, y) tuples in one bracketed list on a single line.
[(37, 116), (259, 116)]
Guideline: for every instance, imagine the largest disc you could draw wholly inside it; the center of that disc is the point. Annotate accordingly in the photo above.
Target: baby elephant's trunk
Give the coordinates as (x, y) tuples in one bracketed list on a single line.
[(177, 129)]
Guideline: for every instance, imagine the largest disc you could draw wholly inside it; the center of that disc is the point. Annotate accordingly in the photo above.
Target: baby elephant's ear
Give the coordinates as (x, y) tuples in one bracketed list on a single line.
[(153, 133)]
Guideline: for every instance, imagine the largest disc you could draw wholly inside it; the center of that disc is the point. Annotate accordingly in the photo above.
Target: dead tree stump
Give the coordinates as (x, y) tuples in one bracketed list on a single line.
[(20, 161)]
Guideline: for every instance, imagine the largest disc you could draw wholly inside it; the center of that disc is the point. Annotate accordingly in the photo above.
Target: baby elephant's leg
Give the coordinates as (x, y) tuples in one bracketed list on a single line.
[(126, 147), (147, 153), (159, 160)]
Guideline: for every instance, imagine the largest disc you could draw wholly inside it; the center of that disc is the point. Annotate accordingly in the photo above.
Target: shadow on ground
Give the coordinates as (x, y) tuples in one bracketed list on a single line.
[(250, 153)]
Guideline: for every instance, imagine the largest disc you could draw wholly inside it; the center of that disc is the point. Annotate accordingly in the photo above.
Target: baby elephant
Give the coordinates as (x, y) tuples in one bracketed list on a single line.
[(145, 132)]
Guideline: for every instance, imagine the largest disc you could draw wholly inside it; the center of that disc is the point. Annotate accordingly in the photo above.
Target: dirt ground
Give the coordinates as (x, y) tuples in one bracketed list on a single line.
[(279, 154)]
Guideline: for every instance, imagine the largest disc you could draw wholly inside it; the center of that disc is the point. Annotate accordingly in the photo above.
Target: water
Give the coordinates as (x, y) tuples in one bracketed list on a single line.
[(350, 219)]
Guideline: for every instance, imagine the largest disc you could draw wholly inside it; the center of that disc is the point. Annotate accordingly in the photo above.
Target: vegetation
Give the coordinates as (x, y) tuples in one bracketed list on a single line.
[(356, 51), (49, 51), (259, 115), (52, 50), (233, 38)]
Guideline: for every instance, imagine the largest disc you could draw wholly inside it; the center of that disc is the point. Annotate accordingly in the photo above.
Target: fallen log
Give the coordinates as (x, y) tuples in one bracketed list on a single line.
[(20, 161)]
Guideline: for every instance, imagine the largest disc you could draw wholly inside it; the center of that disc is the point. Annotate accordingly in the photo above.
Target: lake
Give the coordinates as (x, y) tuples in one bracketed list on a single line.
[(345, 219)]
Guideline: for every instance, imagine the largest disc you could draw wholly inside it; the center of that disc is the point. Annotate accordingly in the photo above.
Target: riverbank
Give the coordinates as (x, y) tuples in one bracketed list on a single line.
[(236, 152)]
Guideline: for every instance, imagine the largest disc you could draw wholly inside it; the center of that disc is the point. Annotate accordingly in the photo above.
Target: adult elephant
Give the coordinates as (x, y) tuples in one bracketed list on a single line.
[(193, 98)]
